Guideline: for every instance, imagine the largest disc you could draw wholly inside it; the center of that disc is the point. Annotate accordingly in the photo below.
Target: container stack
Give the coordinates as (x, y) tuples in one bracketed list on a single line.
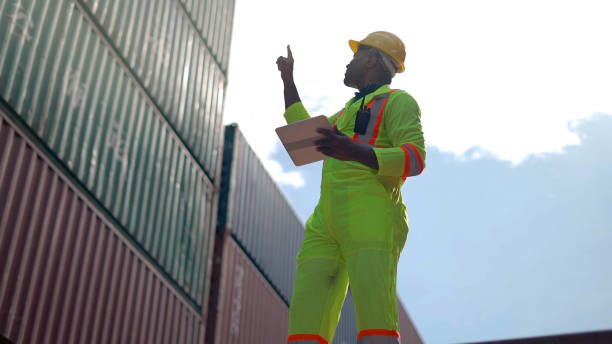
[(68, 273), (118, 106), (257, 215), (258, 237)]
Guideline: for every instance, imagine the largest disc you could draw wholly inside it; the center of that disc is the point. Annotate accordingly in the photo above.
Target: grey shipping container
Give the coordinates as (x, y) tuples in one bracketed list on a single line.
[(183, 73), (260, 218), (346, 331), (69, 276), (408, 331), (249, 310), (64, 82)]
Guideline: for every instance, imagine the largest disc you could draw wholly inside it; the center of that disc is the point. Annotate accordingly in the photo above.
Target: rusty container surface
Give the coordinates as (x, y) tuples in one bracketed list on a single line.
[(249, 310), (409, 333), (61, 78), (254, 209), (180, 63), (69, 276)]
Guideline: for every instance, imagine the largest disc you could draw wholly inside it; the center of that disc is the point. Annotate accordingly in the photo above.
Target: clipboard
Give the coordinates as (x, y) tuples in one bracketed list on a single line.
[(298, 139)]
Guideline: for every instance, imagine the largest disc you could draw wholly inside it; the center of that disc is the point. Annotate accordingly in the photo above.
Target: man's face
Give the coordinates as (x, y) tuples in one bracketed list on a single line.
[(355, 70)]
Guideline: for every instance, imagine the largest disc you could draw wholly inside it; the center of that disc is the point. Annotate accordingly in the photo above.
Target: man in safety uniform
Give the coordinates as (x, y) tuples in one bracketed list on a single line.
[(359, 226)]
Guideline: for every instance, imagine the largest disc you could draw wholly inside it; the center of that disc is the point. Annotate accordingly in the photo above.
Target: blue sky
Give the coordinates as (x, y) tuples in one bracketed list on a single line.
[(497, 250)]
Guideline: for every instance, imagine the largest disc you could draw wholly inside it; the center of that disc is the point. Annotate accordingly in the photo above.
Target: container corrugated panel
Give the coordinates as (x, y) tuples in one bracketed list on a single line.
[(214, 21), (69, 276), (346, 331), (257, 213), (163, 49), (249, 309), (409, 333), (61, 78)]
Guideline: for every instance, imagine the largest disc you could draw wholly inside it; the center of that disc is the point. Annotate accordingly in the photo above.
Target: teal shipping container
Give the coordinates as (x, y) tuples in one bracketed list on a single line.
[(181, 63), (62, 80)]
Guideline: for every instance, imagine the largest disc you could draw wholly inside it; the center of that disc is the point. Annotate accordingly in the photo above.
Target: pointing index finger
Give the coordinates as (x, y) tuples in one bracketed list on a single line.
[(289, 54)]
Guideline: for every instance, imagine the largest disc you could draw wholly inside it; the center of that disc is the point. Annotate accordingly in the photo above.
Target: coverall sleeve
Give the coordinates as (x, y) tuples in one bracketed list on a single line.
[(297, 112), (402, 122)]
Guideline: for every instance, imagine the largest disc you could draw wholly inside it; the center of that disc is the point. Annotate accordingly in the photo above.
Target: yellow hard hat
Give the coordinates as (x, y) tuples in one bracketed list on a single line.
[(385, 42)]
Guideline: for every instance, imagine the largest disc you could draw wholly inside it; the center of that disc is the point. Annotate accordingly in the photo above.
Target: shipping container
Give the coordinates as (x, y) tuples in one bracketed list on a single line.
[(213, 20), (180, 70), (60, 77), (67, 274), (259, 217), (248, 310), (594, 337), (408, 331), (346, 331)]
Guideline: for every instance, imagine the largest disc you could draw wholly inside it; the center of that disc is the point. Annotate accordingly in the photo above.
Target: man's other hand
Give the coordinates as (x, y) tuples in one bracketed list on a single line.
[(339, 146)]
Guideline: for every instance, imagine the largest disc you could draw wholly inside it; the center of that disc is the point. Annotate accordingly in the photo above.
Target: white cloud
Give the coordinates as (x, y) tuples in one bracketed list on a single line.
[(293, 178), (506, 76)]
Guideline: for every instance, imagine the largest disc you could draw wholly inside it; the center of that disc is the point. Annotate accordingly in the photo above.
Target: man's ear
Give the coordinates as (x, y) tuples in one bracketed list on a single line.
[(371, 63)]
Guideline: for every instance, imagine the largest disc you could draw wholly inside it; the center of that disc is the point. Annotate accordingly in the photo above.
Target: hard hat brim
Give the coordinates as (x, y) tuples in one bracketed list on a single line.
[(354, 45)]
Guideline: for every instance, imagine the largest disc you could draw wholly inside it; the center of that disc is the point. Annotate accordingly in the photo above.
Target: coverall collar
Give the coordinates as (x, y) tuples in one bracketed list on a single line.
[(368, 97), (366, 90)]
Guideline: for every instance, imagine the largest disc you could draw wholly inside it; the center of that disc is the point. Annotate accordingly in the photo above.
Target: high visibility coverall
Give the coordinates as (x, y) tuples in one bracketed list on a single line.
[(359, 226)]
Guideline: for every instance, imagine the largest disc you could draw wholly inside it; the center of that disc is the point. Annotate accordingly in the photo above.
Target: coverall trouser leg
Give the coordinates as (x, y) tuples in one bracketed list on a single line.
[(325, 266)]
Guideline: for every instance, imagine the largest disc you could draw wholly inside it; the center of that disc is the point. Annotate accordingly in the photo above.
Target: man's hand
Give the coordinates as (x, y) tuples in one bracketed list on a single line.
[(285, 66), (337, 145)]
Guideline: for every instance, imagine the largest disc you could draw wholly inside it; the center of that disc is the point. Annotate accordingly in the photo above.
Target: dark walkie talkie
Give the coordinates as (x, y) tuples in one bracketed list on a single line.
[(362, 119)]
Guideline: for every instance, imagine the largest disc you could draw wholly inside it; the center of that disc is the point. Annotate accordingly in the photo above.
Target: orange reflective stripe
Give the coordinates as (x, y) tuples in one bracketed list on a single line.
[(379, 119), (406, 163), (420, 159), (369, 105), (413, 164), (378, 332), (378, 146), (338, 117), (316, 337)]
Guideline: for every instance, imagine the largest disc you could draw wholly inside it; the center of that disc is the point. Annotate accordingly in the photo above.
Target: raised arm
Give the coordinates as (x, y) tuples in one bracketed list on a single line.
[(285, 66)]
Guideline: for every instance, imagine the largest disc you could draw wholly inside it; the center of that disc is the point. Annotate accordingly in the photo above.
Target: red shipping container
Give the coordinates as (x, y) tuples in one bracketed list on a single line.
[(69, 276), (248, 311)]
